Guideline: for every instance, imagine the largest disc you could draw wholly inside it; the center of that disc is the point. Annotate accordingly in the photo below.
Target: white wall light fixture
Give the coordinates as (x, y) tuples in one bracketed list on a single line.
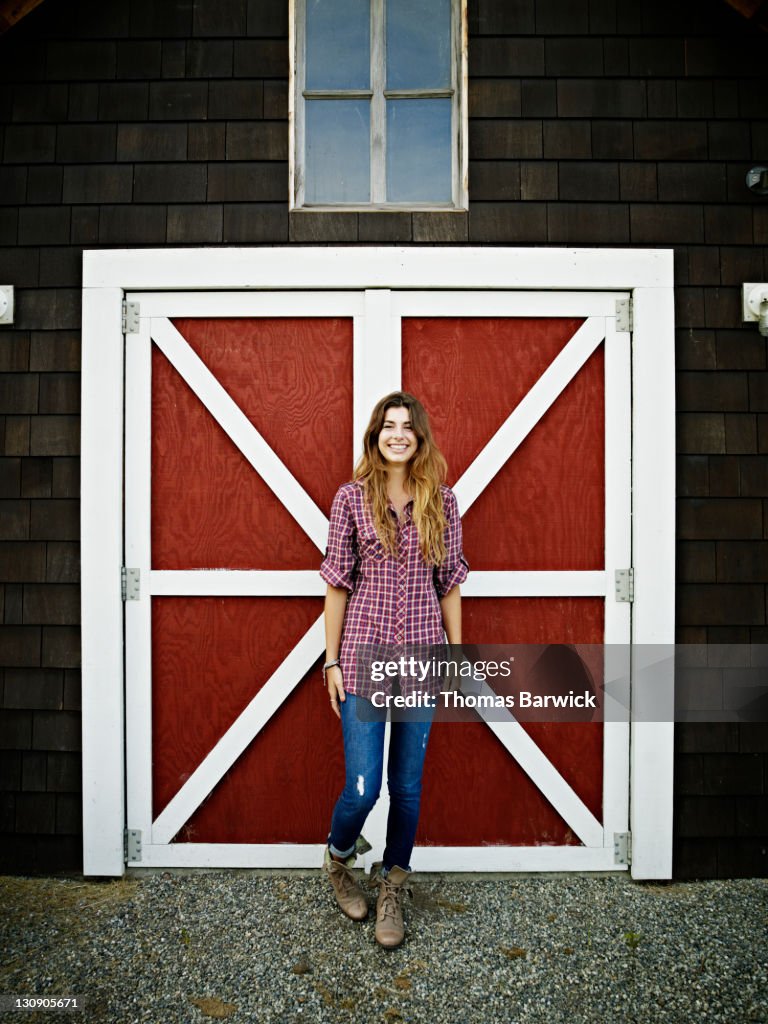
[(6, 303), (757, 181), (754, 299)]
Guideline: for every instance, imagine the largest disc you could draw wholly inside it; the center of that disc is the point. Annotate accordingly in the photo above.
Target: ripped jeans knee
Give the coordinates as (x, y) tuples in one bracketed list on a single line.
[(363, 760)]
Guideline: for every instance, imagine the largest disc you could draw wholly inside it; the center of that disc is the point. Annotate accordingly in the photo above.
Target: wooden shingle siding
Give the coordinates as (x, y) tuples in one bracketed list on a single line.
[(592, 123)]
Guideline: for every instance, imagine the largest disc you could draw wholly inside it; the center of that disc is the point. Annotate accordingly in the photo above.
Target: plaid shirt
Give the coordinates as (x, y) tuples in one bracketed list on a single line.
[(395, 600)]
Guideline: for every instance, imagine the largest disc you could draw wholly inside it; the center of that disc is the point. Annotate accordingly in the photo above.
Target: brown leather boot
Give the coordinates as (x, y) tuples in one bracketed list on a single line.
[(348, 894), (390, 930)]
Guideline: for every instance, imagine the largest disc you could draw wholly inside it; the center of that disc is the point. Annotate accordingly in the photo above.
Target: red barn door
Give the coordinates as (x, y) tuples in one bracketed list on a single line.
[(244, 413)]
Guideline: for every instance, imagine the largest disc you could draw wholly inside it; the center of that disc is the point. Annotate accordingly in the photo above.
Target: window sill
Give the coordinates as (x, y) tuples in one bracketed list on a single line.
[(381, 208)]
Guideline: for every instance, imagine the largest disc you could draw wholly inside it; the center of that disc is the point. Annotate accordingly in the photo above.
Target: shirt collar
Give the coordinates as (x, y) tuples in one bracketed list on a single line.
[(406, 509)]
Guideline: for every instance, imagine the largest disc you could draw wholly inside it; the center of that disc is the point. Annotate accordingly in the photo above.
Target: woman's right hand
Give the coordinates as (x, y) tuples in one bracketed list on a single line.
[(335, 683)]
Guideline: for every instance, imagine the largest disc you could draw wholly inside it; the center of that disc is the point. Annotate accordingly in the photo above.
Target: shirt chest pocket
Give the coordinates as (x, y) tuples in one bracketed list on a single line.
[(371, 549)]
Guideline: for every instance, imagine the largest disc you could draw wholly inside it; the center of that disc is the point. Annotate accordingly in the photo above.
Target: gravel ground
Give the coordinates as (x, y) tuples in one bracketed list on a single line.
[(272, 948)]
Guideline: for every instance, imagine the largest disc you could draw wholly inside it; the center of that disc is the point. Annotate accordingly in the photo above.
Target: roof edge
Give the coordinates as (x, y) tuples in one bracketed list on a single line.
[(12, 12)]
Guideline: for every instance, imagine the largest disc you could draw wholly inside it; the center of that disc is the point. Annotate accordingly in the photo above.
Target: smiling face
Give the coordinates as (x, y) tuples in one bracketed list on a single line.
[(397, 440)]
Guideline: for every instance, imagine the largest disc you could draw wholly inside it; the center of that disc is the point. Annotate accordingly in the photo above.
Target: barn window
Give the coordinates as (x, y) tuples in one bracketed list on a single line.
[(379, 104)]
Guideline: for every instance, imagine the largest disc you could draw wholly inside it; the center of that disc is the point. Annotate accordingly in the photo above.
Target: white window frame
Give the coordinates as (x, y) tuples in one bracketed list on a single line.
[(109, 274), (378, 96)]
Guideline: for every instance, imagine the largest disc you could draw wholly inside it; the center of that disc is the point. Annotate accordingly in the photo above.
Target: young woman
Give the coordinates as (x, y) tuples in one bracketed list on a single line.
[(393, 567)]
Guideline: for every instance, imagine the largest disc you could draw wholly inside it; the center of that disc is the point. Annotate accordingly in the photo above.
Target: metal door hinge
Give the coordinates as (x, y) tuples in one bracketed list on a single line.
[(622, 847), (625, 584), (132, 844), (624, 318), (130, 317), (130, 585)]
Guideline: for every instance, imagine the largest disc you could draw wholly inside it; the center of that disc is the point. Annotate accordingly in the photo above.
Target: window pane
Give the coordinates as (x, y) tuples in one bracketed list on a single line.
[(338, 44), (338, 166), (418, 44), (419, 150)]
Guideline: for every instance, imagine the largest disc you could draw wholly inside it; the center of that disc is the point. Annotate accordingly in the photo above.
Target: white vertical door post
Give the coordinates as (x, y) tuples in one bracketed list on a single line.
[(138, 555), (618, 555), (653, 539), (101, 528)]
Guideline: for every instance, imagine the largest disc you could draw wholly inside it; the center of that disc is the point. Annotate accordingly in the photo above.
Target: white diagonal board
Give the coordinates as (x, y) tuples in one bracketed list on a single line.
[(241, 431), (529, 411), (248, 723)]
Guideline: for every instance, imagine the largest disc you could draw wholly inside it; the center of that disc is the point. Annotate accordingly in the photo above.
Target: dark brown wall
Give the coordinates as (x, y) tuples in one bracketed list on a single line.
[(593, 122)]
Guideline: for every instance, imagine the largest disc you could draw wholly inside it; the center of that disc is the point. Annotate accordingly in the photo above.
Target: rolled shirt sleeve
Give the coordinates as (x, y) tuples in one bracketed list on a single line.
[(455, 568), (340, 562)]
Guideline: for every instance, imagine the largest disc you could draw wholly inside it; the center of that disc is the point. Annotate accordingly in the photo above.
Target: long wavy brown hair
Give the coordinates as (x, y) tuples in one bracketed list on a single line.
[(424, 474)]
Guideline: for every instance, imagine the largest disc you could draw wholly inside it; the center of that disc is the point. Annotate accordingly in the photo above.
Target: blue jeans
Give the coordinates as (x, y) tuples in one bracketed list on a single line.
[(363, 760)]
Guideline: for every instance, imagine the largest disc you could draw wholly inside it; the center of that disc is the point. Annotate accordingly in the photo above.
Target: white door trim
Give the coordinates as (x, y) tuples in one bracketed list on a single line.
[(307, 583), (353, 268), (109, 274), (101, 529)]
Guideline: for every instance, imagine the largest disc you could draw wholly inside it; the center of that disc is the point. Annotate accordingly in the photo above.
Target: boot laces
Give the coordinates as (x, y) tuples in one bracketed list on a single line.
[(346, 882), (390, 900)]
